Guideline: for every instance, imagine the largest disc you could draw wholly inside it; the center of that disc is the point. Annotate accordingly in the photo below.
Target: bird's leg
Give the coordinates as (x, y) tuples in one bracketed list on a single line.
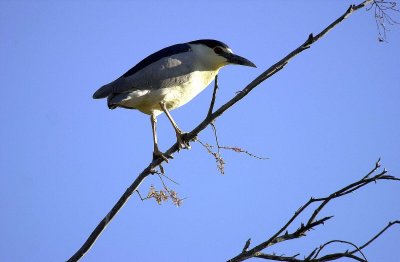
[(179, 133), (156, 152)]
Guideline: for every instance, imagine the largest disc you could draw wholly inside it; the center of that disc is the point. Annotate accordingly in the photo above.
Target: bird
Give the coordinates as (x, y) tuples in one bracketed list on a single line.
[(168, 79)]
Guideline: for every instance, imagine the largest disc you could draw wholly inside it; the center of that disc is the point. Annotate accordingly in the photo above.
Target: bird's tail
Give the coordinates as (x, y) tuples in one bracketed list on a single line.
[(103, 91)]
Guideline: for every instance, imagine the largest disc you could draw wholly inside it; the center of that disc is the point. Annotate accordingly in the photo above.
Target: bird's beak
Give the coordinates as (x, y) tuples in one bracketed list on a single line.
[(237, 60)]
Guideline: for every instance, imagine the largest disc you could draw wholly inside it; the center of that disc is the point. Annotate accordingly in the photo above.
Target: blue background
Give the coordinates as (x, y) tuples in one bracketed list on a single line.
[(323, 121)]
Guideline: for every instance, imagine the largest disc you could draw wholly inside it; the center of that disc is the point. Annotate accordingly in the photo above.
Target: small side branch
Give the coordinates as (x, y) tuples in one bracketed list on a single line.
[(164, 194), (218, 156), (247, 245)]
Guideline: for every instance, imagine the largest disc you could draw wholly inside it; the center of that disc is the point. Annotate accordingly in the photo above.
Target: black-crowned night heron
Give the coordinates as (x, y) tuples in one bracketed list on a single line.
[(169, 79)]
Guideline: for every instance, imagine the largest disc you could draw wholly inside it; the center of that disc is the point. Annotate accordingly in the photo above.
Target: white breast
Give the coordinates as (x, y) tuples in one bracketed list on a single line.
[(174, 96), (181, 94)]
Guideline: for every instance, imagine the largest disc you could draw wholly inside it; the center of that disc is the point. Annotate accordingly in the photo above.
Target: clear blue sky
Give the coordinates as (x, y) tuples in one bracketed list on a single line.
[(65, 159)]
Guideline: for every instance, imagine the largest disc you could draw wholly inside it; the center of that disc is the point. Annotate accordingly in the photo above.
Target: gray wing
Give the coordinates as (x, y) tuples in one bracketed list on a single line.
[(161, 69)]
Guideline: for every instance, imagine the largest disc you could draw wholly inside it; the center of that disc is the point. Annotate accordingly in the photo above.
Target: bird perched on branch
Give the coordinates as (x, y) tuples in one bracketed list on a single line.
[(169, 79)]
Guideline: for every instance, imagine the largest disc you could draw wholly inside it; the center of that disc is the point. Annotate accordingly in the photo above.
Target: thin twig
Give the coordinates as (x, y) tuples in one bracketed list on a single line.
[(339, 241), (212, 124), (214, 95), (382, 16), (218, 159), (240, 150), (377, 165), (350, 254), (170, 179), (140, 196), (217, 155)]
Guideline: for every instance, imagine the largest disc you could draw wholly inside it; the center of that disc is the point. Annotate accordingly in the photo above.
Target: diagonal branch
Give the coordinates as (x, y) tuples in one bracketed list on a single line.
[(209, 119), (274, 69), (377, 235)]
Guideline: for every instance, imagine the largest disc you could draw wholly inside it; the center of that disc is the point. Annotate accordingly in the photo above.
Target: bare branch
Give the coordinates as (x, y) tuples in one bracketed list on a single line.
[(380, 233), (312, 222), (209, 119)]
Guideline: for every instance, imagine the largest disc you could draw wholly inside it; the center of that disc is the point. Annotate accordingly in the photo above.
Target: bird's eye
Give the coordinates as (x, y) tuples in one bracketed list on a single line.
[(218, 50)]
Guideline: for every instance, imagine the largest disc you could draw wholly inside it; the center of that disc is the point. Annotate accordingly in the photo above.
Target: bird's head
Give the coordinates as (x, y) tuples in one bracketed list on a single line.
[(215, 54)]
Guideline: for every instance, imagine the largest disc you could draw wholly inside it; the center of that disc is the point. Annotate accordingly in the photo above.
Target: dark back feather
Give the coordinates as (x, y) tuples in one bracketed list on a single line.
[(168, 51)]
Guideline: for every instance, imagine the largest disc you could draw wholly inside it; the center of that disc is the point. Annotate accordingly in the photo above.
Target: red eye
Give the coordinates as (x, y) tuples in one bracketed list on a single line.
[(218, 50)]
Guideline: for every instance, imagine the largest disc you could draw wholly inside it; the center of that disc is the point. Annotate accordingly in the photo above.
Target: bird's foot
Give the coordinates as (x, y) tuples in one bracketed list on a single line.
[(183, 142), (159, 154)]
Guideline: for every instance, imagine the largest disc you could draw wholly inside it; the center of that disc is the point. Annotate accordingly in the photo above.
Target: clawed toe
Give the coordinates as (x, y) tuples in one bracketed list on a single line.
[(183, 143), (165, 157)]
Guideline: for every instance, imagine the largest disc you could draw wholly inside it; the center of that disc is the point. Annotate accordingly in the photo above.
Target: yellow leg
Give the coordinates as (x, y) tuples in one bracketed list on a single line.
[(156, 151), (179, 134)]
